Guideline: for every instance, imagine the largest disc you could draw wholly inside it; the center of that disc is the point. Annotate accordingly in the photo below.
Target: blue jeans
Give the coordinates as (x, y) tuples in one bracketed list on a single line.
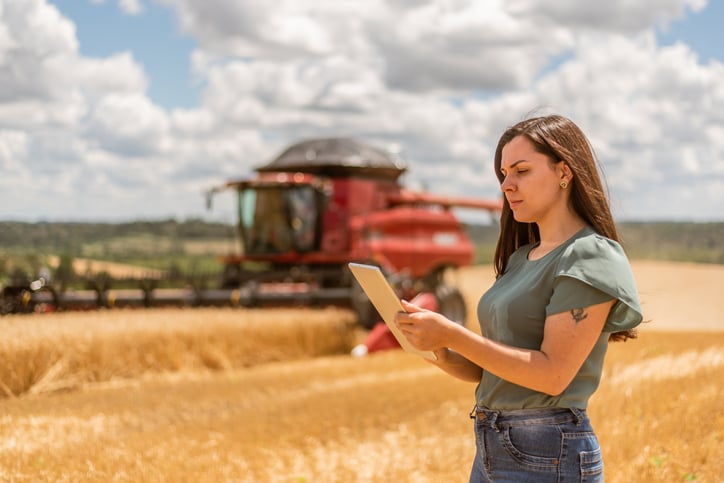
[(536, 445)]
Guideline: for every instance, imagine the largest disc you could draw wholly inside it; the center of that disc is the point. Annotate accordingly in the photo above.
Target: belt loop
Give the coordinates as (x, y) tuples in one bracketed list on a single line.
[(493, 421), (578, 414), (474, 412)]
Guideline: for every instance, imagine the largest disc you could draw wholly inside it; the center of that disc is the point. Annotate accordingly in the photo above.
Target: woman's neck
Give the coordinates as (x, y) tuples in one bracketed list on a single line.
[(553, 235)]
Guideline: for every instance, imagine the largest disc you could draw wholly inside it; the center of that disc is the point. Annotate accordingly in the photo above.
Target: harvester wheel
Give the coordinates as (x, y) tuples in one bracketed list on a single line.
[(451, 303), (15, 300), (8, 302)]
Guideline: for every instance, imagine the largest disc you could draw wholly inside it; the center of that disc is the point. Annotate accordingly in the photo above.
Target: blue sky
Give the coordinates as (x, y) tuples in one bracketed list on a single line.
[(702, 31), (131, 109), (154, 38)]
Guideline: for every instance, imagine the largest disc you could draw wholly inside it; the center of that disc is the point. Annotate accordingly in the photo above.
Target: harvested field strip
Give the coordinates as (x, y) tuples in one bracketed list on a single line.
[(386, 417), (667, 367), (660, 408)]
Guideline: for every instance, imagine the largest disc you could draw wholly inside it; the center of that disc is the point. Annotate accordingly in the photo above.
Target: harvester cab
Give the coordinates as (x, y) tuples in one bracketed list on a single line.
[(279, 216), (324, 203)]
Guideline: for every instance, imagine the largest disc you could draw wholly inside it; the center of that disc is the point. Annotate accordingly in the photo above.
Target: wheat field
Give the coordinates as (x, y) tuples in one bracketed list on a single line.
[(186, 395)]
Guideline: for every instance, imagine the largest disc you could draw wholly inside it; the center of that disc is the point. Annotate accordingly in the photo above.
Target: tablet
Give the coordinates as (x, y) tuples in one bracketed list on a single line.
[(385, 300)]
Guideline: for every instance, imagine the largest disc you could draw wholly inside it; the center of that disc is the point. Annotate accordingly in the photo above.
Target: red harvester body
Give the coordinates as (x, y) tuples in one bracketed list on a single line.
[(324, 203)]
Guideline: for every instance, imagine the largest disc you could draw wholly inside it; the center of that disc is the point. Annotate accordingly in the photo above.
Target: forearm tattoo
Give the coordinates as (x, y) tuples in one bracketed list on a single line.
[(578, 314)]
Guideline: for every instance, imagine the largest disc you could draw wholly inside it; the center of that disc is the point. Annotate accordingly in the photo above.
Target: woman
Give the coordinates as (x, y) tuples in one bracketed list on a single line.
[(563, 289)]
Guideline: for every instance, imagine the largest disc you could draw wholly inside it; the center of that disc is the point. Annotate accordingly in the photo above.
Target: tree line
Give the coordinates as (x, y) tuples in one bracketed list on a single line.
[(163, 244), (70, 236)]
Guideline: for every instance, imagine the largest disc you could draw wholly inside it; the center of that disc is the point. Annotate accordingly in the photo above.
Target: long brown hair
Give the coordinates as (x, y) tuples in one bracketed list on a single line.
[(562, 141)]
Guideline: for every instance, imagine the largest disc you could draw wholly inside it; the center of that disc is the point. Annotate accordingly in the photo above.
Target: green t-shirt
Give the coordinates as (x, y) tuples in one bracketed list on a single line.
[(587, 269)]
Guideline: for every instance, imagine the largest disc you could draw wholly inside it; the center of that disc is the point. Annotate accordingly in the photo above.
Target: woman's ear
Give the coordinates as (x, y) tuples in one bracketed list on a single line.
[(565, 172)]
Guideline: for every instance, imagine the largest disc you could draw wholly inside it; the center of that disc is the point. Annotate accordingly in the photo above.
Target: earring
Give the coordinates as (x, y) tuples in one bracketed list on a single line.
[(564, 184)]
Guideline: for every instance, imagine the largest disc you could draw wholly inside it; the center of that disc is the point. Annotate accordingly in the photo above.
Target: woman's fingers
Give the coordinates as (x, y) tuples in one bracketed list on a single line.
[(410, 307), (403, 320)]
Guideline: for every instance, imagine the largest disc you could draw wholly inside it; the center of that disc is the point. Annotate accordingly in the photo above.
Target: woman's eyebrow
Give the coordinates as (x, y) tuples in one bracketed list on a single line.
[(513, 165)]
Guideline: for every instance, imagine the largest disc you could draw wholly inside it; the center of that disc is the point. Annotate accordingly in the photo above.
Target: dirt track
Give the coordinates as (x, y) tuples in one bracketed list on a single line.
[(674, 296), (681, 296)]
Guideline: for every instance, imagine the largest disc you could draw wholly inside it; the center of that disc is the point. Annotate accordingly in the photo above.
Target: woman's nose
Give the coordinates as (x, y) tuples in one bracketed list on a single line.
[(506, 185)]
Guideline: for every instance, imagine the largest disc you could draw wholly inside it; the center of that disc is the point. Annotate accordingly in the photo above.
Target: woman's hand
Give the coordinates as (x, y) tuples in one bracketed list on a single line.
[(427, 330), (424, 329)]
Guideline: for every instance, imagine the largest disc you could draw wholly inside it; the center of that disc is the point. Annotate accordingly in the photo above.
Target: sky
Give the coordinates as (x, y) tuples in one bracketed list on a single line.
[(123, 110)]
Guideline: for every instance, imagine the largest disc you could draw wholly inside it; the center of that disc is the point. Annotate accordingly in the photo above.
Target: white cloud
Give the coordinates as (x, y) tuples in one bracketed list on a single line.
[(128, 124), (36, 29), (617, 16), (34, 41), (651, 113), (131, 7), (116, 73), (441, 79), (462, 45), (13, 147)]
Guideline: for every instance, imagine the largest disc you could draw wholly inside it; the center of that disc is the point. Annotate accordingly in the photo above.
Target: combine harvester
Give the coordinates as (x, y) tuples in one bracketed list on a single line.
[(319, 205)]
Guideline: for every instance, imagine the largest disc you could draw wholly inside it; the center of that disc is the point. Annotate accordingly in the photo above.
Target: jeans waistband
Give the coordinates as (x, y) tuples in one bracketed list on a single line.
[(527, 417)]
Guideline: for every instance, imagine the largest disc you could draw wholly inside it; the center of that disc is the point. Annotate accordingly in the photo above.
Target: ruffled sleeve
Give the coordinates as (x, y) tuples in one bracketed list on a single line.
[(594, 269)]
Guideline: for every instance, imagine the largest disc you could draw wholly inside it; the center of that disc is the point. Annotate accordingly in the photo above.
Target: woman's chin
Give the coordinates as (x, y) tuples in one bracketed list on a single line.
[(521, 218)]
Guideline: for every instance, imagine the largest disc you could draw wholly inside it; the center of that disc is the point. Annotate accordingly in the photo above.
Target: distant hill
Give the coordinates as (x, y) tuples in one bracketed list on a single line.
[(71, 237), (673, 241), (150, 247), (194, 246), (687, 242)]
